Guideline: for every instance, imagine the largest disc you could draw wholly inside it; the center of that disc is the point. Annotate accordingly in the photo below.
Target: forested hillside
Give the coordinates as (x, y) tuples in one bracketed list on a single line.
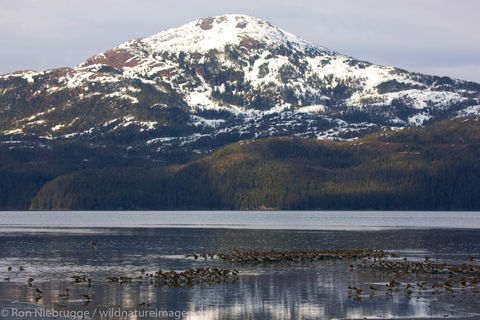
[(432, 168)]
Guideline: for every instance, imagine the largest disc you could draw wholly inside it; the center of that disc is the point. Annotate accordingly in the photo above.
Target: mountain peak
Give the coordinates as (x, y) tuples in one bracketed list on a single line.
[(203, 35), (208, 33)]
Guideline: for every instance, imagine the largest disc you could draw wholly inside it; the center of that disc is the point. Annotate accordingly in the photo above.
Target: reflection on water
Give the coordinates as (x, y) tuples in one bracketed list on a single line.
[(269, 291), (295, 293)]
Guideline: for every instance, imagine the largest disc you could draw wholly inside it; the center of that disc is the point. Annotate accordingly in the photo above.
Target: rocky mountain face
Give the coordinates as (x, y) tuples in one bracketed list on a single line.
[(219, 80)]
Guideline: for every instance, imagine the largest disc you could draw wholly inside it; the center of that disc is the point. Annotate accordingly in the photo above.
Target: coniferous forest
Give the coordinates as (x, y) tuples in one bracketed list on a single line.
[(431, 168)]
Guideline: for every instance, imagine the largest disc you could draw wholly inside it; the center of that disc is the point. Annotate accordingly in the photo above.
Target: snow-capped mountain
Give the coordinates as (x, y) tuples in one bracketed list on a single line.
[(222, 79)]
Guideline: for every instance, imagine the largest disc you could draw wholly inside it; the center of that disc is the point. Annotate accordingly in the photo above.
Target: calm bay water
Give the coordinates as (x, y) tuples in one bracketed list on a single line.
[(53, 246), (285, 220)]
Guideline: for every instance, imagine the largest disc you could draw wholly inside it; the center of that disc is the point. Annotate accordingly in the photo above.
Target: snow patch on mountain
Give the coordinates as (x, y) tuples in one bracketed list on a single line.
[(312, 109), (121, 95), (200, 121), (419, 119), (29, 77), (472, 110)]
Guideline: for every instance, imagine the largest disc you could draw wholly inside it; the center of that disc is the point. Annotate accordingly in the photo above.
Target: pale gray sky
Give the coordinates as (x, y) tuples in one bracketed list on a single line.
[(431, 36)]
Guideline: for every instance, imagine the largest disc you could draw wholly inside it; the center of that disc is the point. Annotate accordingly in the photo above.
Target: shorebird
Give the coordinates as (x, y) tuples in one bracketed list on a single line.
[(94, 245), (66, 294), (125, 279), (21, 269), (393, 282), (421, 285)]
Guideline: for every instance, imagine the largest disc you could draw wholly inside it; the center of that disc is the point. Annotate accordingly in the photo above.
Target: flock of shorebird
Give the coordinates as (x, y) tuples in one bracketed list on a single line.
[(415, 279), (172, 278), (192, 277), (300, 255), (30, 280), (412, 278)]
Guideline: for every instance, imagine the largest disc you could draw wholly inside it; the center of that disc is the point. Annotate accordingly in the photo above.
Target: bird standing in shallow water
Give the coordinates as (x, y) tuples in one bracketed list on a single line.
[(94, 245), (65, 294), (38, 294), (86, 299)]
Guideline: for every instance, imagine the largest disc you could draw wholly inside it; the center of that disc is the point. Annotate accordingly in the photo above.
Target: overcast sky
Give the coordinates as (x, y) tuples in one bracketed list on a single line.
[(431, 36)]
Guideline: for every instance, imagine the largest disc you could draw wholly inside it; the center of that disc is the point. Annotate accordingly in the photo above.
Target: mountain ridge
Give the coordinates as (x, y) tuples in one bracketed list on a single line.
[(257, 78)]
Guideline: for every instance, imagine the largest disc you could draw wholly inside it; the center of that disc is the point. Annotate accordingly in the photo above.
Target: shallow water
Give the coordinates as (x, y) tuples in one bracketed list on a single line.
[(53, 248)]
